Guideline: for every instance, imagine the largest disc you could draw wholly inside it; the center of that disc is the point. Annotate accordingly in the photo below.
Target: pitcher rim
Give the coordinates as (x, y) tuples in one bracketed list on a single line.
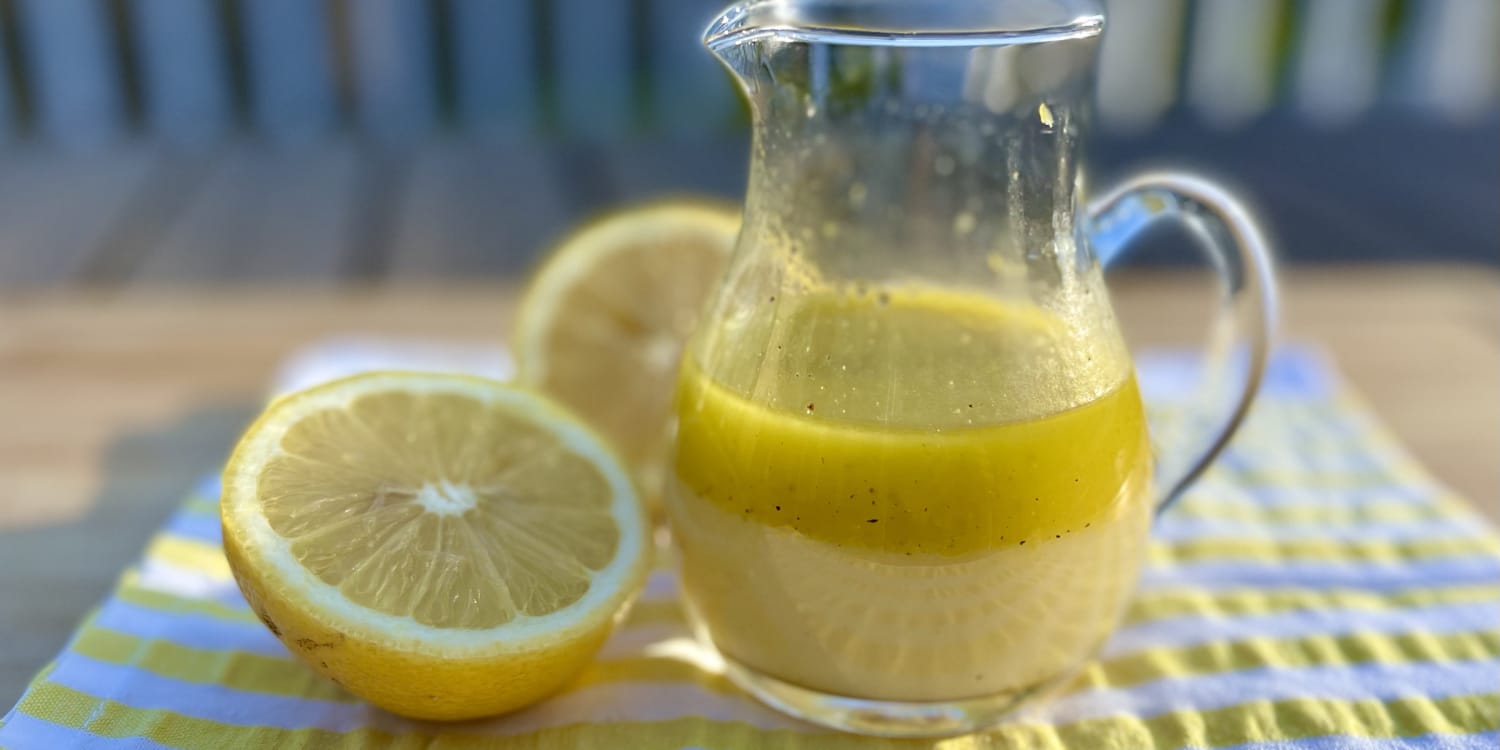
[(734, 27)]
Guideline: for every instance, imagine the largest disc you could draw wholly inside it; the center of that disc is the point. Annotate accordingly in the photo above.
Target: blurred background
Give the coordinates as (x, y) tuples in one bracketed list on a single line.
[(375, 140)]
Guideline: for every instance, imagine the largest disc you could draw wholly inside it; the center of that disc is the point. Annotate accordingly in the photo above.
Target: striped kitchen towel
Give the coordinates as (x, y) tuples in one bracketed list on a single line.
[(1317, 590)]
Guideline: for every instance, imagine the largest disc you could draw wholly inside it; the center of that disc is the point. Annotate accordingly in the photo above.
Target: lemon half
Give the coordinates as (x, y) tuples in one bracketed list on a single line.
[(446, 547), (604, 320)]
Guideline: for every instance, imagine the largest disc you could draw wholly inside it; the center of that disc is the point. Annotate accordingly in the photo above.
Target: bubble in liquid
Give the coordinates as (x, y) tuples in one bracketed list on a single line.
[(964, 223), (944, 165)]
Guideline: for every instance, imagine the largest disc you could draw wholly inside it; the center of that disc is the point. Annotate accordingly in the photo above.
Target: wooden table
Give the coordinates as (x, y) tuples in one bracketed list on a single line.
[(115, 400)]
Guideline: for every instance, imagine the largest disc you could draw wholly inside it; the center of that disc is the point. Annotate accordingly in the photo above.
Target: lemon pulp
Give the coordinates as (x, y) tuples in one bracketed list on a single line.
[(455, 528)]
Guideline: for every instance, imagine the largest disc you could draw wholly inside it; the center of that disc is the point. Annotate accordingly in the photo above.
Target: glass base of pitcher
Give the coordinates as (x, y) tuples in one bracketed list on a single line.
[(906, 719)]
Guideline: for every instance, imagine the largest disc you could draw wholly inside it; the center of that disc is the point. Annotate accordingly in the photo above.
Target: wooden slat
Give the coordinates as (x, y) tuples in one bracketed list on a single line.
[(1451, 62), (263, 214), (495, 65), (690, 92), (1231, 60), (1336, 72), (391, 49), (289, 61), (1450, 209), (10, 104), (167, 192), (1140, 62), (380, 186), (1329, 194), (57, 210), (73, 71), (183, 64), (1352, 206), (646, 169), (478, 208), (593, 67)]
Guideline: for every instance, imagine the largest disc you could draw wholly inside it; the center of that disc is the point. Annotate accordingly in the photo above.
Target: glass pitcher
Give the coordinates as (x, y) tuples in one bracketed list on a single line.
[(912, 480)]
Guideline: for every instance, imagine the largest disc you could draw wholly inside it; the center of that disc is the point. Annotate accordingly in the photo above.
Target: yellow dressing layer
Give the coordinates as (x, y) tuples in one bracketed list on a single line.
[(952, 465), (909, 491)]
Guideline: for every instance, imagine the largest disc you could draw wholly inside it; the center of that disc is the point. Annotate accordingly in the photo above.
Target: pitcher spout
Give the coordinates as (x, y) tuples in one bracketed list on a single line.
[(727, 30)]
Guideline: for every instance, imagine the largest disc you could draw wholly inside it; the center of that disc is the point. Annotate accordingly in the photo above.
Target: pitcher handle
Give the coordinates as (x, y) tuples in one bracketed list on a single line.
[(1236, 248)]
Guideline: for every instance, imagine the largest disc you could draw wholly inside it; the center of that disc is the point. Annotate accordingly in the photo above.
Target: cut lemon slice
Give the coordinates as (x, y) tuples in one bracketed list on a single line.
[(604, 320), (443, 546)]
